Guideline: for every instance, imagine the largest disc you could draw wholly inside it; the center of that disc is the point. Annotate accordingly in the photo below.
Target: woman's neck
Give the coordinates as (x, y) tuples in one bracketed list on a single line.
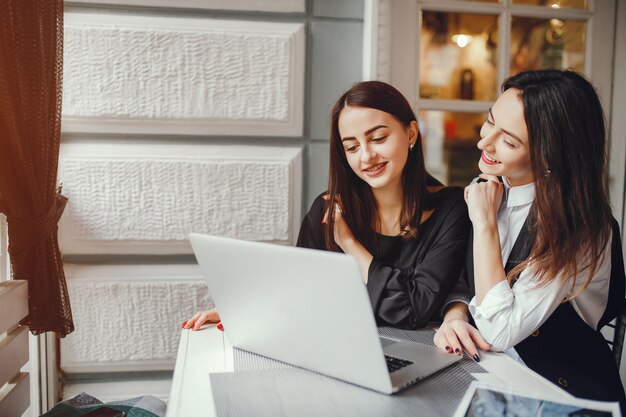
[(515, 182), (389, 206), (388, 198)]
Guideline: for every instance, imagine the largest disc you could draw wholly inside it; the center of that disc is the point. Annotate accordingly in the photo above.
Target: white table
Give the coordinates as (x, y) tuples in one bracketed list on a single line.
[(208, 350)]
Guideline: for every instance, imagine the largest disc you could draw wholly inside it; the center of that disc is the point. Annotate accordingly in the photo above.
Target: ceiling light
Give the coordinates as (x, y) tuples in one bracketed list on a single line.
[(461, 40)]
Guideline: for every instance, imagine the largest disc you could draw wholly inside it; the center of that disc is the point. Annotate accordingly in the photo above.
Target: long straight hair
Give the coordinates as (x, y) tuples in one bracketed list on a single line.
[(355, 196), (571, 214)]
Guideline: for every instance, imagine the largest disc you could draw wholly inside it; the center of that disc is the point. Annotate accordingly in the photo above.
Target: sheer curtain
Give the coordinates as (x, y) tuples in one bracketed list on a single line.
[(31, 63)]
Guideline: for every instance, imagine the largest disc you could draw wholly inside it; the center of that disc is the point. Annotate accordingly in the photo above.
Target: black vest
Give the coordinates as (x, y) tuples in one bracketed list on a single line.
[(565, 350)]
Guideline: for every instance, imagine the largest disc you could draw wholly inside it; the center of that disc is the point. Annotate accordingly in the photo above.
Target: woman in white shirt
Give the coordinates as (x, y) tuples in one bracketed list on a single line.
[(545, 266)]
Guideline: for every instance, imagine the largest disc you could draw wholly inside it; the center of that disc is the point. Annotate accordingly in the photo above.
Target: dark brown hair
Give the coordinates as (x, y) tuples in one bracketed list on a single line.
[(571, 215), (354, 195)]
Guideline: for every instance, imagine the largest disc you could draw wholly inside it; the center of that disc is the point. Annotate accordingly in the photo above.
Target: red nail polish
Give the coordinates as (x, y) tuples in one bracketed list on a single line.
[(184, 323), (220, 326), (323, 221)]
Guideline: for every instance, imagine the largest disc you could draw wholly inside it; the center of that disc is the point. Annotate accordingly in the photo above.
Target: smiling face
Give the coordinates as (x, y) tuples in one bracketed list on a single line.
[(376, 145), (504, 141)]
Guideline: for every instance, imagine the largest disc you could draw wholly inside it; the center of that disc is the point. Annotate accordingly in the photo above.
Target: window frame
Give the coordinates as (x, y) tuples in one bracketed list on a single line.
[(42, 348), (404, 74)]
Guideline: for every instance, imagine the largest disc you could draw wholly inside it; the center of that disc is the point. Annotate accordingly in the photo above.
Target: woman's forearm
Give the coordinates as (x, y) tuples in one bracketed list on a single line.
[(354, 248), (456, 311), (488, 267)]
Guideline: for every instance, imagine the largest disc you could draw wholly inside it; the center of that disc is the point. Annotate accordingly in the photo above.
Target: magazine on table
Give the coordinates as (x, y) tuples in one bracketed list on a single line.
[(485, 400)]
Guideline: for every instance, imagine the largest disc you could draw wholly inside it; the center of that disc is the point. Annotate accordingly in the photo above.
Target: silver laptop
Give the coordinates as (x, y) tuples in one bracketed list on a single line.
[(308, 308)]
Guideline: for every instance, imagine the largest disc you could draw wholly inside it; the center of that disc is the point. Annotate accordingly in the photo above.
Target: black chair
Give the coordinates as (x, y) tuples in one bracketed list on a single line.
[(619, 329)]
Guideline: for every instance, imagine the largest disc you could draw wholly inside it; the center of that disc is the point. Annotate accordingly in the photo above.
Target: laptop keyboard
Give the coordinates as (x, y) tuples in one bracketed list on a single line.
[(393, 364)]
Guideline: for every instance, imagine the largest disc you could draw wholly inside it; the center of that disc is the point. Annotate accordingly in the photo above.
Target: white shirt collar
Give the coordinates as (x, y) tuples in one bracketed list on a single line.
[(519, 195)]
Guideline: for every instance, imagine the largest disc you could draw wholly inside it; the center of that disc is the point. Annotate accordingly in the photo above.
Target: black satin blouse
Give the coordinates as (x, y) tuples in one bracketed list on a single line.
[(410, 280)]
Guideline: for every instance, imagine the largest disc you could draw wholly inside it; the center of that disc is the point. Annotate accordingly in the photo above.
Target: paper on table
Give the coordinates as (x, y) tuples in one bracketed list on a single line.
[(484, 400)]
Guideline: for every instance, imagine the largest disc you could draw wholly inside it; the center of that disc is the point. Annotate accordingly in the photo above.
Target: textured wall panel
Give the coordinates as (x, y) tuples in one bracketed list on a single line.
[(252, 5), (128, 317), (384, 41), (147, 199), (176, 75)]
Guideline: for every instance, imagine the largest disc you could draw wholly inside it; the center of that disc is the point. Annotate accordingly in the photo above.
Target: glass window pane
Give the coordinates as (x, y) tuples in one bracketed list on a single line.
[(458, 56), (547, 43), (555, 4), (449, 140)]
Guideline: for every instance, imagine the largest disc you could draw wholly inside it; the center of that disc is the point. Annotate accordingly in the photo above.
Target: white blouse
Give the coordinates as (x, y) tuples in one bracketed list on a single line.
[(508, 315)]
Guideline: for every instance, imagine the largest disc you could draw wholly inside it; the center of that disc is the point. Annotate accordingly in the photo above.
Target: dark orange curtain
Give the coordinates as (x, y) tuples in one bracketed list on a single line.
[(31, 62)]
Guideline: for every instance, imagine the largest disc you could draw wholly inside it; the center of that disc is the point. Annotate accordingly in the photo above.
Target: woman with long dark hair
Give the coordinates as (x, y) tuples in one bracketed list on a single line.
[(405, 229), (382, 207), (545, 261)]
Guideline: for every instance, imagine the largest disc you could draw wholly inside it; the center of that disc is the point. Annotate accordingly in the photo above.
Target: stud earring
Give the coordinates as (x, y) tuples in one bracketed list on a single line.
[(547, 173), (411, 146)]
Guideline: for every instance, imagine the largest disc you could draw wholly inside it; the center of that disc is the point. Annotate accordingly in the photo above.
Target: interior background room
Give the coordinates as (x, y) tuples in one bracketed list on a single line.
[(210, 116)]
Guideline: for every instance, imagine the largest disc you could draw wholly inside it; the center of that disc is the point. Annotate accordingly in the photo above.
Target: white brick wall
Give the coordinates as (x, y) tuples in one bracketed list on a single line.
[(126, 198), (153, 74)]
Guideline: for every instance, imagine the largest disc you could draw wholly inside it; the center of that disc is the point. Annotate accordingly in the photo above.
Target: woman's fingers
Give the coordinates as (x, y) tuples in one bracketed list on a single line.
[(478, 339), (455, 336), (336, 208), (453, 340), (441, 341), (465, 338), (446, 339), (190, 323), (210, 316), (204, 317), (214, 315), (490, 177), (467, 191), (337, 214), (200, 318), (470, 337), (483, 199)]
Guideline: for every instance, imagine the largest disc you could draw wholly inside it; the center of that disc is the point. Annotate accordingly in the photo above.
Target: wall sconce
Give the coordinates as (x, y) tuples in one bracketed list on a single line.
[(461, 40)]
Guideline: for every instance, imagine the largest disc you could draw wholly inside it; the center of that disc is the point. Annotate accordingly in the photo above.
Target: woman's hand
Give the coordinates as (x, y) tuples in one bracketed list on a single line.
[(483, 200), (347, 242), (341, 232), (200, 318), (456, 334)]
